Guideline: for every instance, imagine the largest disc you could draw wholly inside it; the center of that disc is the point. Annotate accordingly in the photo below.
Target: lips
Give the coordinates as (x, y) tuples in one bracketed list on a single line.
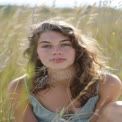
[(58, 60)]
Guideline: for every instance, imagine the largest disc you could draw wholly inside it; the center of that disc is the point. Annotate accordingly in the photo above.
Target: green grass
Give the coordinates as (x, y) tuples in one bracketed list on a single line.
[(103, 24)]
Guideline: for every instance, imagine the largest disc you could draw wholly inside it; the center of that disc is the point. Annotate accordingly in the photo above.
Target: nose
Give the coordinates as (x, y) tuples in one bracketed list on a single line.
[(56, 51)]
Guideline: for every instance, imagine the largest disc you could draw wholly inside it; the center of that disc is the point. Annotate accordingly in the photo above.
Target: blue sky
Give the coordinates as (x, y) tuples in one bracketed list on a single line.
[(62, 3)]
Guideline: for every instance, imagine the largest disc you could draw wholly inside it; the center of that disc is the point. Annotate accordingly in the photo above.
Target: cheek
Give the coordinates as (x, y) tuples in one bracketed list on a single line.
[(71, 54), (41, 54)]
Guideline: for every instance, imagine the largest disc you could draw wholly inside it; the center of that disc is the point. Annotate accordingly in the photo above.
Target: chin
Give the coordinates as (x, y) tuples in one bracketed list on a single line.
[(60, 67)]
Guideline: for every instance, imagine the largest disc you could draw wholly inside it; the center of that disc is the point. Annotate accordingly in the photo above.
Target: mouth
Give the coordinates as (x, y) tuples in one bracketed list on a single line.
[(58, 60)]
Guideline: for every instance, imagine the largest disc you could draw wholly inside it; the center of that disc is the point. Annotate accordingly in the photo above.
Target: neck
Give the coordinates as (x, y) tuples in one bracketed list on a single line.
[(61, 77)]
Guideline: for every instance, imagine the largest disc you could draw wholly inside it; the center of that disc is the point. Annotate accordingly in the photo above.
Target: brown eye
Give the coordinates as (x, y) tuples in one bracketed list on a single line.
[(65, 44), (46, 46)]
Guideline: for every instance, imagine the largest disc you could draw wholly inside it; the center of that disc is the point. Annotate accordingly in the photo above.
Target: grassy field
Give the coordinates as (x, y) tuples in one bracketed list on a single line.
[(103, 24)]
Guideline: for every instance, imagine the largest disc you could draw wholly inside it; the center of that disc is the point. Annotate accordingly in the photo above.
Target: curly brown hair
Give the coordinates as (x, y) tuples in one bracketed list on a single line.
[(88, 61)]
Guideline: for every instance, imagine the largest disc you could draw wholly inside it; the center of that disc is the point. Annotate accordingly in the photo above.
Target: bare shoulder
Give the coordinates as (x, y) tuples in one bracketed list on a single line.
[(111, 87), (16, 84), (111, 80), (19, 99)]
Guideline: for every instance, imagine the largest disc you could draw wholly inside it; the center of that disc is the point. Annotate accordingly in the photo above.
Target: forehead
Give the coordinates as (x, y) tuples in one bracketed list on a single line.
[(52, 36)]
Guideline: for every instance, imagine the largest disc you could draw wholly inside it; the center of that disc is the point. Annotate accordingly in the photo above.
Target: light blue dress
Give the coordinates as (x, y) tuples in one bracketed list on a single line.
[(82, 115)]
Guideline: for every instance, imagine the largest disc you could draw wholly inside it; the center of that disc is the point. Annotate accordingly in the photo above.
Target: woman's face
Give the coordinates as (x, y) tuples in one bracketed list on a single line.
[(55, 50)]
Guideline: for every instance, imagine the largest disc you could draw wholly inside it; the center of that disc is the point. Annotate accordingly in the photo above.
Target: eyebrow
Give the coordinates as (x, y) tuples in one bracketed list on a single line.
[(50, 42)]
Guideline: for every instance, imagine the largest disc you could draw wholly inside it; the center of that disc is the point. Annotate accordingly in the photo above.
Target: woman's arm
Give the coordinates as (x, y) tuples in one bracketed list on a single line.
[(29, 116), (109, 91), (20, 102)]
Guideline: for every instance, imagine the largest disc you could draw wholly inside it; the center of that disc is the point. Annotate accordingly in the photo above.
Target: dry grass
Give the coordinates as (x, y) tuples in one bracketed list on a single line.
[(104, 24)]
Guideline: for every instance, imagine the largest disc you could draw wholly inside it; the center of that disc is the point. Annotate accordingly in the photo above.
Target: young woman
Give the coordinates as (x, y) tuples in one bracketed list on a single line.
[(67, 80)]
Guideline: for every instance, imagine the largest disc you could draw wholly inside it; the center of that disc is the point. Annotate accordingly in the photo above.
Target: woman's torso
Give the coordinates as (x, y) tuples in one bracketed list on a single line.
[(48, 104)]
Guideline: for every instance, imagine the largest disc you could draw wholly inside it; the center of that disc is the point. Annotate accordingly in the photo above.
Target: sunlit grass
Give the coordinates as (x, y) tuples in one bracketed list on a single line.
[(103, 24)]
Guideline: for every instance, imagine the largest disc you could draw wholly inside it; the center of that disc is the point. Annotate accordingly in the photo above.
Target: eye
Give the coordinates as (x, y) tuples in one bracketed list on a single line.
[(65, 44), (46, 46)]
